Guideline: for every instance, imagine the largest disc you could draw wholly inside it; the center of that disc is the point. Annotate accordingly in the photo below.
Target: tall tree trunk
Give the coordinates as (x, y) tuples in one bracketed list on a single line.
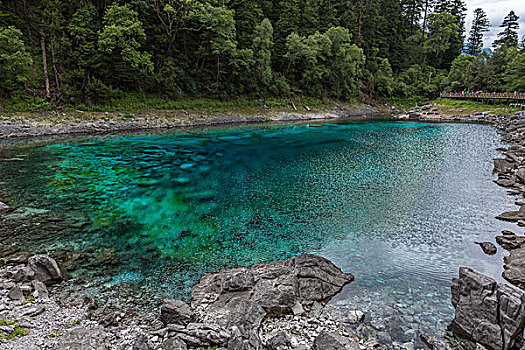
[(421, 46), (359, 34), (55, 70), (44, 60)]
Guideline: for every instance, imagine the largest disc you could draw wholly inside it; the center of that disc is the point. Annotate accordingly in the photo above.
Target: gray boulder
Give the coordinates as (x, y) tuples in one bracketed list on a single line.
[(46, 269), (176, 312), (510, 242), (141, 343), (240, 298), (83, 339), (276, 287), (488, 247), (505, 180), (40, 290), (503, 166), (434, 343), (201, 334), (24, 274), (244, 317), (333, 341), (515, 267), (280, 341), (174, 344), (513, 215), (520, 174), (489, 313), (15, 293)]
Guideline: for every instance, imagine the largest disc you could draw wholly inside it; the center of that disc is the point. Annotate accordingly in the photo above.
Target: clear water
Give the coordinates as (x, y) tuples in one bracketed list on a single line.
[(399, 205)]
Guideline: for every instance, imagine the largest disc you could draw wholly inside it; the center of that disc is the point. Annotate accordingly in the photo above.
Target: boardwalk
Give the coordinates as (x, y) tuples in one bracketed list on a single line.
[(508, 96)]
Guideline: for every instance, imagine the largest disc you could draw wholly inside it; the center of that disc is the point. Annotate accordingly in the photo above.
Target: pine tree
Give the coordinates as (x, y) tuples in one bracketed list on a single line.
[(480, 24), (509, 35)]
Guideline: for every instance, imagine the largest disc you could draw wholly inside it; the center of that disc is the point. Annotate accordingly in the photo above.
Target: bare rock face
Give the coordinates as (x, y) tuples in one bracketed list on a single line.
[(46, 269), (332, 341), (201, 334), (510, 242), (240, 298), (275, 287), (488, 247), (83, 339), (503, 165), (515, 267), (513, 215), (176, 312), (489, 313), (515, 262), (520, 174)]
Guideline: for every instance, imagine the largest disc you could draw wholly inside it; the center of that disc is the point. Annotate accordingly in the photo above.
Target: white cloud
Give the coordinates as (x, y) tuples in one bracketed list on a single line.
[(496, 10)]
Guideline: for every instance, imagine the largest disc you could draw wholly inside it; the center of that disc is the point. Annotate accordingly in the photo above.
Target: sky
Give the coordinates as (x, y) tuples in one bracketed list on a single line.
[(496, 10)]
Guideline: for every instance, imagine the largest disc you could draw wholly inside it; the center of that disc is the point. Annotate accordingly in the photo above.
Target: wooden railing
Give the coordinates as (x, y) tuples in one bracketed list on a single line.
[(487, 95)]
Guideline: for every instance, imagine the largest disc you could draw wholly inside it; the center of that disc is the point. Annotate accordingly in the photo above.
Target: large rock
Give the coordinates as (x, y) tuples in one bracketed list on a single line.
[(174, 344), (513, 215), (505, 180), (520, 174), (176, 312), (46, 269), (276, 287), (489, 313), (244, 317), (333, 341), (488, 247), (503, 166), (240, 298), (515, 267), (510, 242), (83, 339), (201, 334)]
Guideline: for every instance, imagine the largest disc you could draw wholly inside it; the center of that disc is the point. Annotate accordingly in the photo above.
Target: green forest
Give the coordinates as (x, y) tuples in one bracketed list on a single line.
[(86, 52)]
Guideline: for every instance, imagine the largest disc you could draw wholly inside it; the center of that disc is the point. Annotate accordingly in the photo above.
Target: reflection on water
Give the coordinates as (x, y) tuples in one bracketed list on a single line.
[(397, 204)]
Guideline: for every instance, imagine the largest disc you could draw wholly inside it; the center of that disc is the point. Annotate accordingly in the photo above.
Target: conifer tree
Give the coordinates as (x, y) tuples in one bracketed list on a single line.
[(509, 35), (480, 24)]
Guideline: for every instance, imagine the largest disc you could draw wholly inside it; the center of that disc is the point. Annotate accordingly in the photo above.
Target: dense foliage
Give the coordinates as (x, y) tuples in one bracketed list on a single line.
[(90, 51)]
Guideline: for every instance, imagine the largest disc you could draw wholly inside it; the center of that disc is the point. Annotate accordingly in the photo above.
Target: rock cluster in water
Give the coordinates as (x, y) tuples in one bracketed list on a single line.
[(511, 174), (489, 313)]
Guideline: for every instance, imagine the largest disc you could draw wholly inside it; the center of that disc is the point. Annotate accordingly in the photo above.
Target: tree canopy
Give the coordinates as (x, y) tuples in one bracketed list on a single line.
[(90, 51)]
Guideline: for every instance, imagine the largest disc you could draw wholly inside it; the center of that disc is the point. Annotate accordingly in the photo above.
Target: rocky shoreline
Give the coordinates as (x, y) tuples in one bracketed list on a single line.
[(28, 127), (483, 321), (280, 305)]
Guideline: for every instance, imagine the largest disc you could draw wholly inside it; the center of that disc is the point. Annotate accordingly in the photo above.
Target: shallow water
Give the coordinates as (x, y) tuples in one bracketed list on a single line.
[(399, 205)]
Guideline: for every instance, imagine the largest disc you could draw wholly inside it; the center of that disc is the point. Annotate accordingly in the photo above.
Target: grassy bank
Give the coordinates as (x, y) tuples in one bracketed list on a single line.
[(136, 102), (158, 110), (450, 106)]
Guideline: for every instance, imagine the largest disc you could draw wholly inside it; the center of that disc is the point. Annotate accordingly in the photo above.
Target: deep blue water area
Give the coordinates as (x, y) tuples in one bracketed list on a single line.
[(397, 204)]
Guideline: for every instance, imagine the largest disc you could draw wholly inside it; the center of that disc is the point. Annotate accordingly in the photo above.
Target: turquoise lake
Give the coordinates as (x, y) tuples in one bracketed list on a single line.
[(397, 204)]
